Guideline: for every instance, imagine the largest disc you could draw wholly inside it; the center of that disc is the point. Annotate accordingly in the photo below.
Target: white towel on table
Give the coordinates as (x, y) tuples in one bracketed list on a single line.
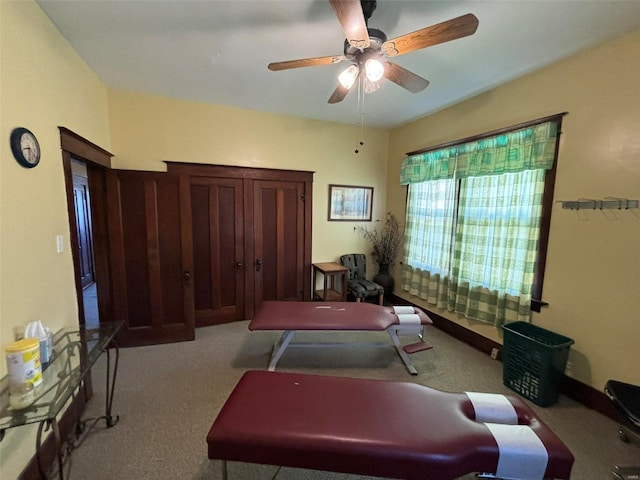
[(409, 319), (400, 309), (522, 455), (493, 408)]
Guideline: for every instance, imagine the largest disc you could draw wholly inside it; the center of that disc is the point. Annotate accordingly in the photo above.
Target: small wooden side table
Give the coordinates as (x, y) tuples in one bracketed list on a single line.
[(332, 291)]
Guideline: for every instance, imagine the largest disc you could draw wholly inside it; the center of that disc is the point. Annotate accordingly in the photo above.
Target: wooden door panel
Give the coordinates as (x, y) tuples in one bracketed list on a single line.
[(279, 240), (202, 281), (136, 262), (291, 272), (165, 253), (150, 289), (266, 242), (218, 249)]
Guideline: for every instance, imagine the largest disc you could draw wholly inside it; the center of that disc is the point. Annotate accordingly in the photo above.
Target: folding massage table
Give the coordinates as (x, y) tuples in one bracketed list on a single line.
[(382, 428), (342, 316)]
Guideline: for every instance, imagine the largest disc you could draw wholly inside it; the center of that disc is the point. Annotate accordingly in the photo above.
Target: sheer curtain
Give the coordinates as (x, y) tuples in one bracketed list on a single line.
[(495, 248), (472, 223), (428, 241)]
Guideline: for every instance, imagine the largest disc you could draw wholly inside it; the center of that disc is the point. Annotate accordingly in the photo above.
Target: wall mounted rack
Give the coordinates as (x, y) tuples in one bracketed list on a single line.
[(608, 203)]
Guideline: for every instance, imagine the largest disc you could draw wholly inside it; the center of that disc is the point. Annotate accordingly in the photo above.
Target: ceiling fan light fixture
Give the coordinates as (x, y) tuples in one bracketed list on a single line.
[(348, 76), (367, 49), (374, 69)]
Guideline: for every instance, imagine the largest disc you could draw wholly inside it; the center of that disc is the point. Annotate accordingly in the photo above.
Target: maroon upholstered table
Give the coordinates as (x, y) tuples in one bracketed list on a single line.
[(338, 316), (374, 427)]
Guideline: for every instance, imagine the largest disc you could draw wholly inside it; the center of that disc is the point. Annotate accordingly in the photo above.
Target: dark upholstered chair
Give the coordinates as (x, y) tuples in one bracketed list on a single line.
[(626, 398), (357, 284)]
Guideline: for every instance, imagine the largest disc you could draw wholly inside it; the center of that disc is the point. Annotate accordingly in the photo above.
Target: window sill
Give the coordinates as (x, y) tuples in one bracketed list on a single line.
[(536, 305)]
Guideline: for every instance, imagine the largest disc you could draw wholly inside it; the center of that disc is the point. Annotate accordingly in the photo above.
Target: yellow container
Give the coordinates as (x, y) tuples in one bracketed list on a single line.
[(23, 362)]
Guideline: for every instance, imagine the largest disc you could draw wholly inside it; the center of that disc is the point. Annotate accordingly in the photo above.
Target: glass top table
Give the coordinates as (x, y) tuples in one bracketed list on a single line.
[(75, 351)]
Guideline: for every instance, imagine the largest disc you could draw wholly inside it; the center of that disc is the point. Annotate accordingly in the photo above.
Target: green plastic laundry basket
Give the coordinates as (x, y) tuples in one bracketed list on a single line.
[(534, 361)]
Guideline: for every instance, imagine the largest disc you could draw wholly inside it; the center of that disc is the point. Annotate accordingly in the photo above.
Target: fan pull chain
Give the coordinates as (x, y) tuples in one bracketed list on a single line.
[(361, 110)]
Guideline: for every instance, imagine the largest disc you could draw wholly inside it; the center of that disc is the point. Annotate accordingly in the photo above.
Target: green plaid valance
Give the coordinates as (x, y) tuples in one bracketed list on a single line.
[(529, 148)]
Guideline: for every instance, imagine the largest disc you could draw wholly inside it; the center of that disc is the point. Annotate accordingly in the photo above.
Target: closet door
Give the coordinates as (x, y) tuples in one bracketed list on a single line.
[(251, 237), (279, 240), (150, 258), (218, 249)]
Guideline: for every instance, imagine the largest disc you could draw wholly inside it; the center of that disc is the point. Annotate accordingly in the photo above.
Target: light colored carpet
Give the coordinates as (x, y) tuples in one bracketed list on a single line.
[(167, 397)]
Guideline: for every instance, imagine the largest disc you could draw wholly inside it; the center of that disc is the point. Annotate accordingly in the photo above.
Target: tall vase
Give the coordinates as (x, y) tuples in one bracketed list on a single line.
[(384, 278)]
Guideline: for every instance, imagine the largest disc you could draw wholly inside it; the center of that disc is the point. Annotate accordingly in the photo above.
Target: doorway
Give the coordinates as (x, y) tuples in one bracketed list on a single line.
[(85, 247), (84, 165)]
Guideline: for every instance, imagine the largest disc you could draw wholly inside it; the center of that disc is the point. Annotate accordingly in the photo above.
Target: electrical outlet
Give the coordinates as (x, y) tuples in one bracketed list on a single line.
[(494, 353)]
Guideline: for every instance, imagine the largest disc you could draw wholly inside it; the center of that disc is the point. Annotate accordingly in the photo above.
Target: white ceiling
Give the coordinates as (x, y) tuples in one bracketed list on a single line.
[(217, 51)]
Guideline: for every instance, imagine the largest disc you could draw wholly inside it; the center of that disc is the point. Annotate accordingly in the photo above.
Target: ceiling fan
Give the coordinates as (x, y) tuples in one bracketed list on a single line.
[(368, 48)]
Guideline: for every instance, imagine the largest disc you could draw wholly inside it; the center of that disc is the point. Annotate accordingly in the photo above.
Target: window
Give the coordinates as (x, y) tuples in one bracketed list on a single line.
[(477, 222)]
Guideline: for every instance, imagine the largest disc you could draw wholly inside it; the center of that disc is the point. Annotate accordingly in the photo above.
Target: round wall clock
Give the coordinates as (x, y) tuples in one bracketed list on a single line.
[(25, 147)]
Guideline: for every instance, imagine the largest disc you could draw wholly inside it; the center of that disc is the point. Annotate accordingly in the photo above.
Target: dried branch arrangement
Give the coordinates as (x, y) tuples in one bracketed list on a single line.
[(385, 240)]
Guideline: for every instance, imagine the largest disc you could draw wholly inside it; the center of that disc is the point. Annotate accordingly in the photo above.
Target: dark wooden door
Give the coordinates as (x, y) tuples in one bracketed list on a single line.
[(82, 205), (264, 217), (151, 258), (217, 226), (279, 240)]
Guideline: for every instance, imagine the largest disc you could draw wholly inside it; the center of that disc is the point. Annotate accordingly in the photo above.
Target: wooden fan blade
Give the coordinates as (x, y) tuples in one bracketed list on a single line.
[(338, 94), (351, 18), (440, 33), (305, 62), (403, 77)]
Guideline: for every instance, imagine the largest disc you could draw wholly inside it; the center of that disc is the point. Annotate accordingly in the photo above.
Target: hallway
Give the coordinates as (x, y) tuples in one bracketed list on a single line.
[(91, 315)]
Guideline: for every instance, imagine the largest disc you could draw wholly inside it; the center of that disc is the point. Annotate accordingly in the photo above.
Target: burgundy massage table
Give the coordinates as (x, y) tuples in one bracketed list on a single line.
[(382, 428), (344, 316)]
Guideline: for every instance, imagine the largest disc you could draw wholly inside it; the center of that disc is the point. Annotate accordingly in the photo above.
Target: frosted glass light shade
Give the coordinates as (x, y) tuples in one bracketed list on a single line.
[(348, 76), (374, 69)]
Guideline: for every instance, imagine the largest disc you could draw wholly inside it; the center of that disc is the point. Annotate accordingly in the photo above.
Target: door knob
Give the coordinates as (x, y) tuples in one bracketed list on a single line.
[(258, 265), (239, 265), (187, 276)]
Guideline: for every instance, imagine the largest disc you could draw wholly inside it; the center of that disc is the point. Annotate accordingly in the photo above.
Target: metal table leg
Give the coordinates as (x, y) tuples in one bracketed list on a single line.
[(279, 348), (58, 447), (110, 421), (403, 355), (110, 387)]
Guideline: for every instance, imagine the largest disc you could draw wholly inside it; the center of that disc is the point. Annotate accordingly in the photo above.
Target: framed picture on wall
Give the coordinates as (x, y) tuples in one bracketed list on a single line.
[(350, 203)]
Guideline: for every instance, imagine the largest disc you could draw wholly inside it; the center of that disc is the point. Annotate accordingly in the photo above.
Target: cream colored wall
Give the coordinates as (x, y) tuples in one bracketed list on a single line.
[(147, 130), (593, 266), (43, 85)]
